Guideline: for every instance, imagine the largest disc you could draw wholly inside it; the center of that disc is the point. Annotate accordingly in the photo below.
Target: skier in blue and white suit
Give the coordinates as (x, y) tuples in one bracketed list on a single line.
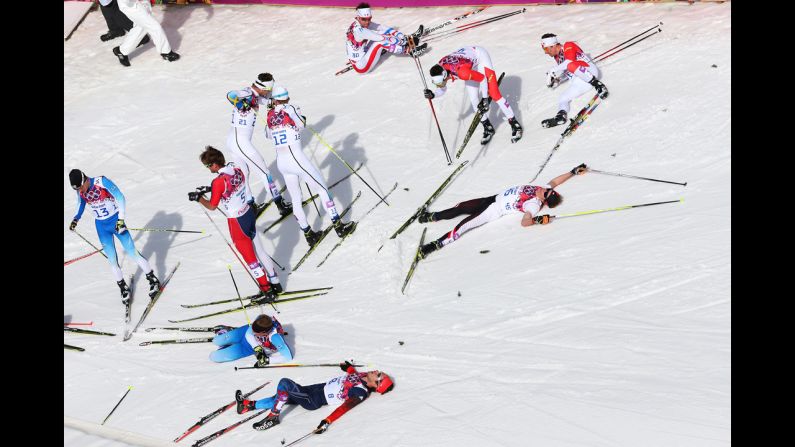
[(108, 205), (264, 338)]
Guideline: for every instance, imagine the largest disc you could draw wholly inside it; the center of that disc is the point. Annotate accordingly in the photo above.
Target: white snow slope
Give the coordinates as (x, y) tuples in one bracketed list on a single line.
[(611, 329)]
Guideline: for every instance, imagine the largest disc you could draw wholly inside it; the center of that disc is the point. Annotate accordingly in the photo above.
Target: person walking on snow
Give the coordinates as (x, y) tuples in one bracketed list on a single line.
[(366, 40), (472, 64), (264, 338), (108, 204), (346, 391), (570, 63), (244, 115), (229, 191), (525, 199), (284, 124), (140, 12)]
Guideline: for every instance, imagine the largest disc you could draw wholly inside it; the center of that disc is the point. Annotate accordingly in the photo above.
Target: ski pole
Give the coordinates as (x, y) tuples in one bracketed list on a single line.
[(292, 365), (313, 432), (89, 243), (628, 40), (229, 267), (73, 348), (90, 323), (86, 331), (635, 176), (430, 102), (620, 208), (230, 247), (346, 163), (314, 202), (65, 263), (468, 26), (165, 229), (117, 405), (622, 49), (454, 19)]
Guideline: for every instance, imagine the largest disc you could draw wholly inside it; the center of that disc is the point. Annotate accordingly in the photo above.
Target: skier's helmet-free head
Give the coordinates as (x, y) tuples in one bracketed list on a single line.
[(549, 40), (280, 93), (385, 383), (363, 13), (438, 76), (262, 325), (264, 81), (552, 198), (76, 178)]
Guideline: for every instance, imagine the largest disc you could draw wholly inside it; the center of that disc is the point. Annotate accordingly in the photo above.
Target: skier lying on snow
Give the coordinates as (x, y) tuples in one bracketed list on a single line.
[(346, 391), (264, 338)]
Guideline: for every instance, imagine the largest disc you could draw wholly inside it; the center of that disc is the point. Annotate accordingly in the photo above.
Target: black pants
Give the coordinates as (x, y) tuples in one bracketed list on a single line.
[(116, 20), (472, 207)]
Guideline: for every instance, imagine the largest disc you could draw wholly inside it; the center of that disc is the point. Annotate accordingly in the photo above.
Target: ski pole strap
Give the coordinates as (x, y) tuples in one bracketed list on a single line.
[(620, 208)]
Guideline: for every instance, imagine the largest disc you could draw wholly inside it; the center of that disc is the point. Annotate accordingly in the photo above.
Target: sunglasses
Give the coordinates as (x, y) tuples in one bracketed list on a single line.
[(208, 165)]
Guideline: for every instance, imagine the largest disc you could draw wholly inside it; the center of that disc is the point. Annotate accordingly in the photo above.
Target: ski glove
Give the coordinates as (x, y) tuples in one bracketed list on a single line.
[(579, 170), (262, 359), (344, 366), (428, 94), (323, 426), (483, 106), (542, 219), (121, 227), (73, 225), (194, 196)]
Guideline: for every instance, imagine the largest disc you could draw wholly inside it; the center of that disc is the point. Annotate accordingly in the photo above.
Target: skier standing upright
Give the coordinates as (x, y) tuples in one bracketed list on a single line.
[(284, 124), (472, 64), (571, 63), (108, 205), (366, 40)]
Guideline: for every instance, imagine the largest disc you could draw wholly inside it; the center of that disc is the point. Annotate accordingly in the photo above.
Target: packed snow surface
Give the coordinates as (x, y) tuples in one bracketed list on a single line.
[(600, 330)]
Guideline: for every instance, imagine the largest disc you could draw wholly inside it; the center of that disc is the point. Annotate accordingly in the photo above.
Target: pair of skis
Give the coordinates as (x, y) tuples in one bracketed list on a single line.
[(128, 333), (325, 232)]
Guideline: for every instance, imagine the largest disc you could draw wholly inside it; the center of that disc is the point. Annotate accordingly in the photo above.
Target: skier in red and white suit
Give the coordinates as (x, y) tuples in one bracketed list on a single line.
[(230, 192), (472, 64), (570, 63), (366, 40), (525, 199)]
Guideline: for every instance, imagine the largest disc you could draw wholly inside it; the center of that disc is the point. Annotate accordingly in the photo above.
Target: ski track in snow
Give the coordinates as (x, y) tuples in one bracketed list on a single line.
[(601, 330)]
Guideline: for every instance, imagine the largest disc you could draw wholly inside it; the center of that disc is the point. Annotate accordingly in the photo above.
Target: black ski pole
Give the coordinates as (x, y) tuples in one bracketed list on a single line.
[(117, 405), (622, 49), (315, 431), (635, 176), (628, 40)]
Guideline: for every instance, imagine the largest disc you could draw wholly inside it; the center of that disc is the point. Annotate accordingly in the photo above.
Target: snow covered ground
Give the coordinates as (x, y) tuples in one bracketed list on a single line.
[(603, 330)]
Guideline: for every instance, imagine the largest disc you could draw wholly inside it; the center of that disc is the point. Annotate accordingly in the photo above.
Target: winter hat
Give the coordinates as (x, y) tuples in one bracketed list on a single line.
[(386, 384), (280, 93), (76, 178)]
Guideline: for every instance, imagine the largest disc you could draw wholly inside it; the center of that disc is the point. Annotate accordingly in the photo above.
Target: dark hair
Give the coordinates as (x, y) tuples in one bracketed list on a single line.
[(548, 35), (265, 77), (362, 5), (436, 70), (211, 156), (554, 198), (262, 324)]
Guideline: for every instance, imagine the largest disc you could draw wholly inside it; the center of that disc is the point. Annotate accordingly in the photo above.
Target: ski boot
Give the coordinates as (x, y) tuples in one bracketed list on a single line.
[(601, 90), (488, 131), (429, 248), (285, 208), (517, 130), (344, 229), (270, 420), (243, 405), (125, 292), (425, 216), (277, 288), (265, 297), (171, 56), (419, 50), (154, 284), (124, 60), (557, 120), (415, 36), (312, 237)]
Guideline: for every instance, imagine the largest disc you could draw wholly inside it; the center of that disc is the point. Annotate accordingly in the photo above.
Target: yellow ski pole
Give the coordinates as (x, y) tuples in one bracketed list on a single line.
[(620, 208)]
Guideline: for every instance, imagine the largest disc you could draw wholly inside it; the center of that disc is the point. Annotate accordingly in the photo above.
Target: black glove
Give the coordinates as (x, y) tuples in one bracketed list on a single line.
[(121, 227), (542, 219), (483, 106), (323, 426), (579, 170), (428, 94), (193, 196), (344, 366), (73, 225), (262, 358), (204, 189)]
